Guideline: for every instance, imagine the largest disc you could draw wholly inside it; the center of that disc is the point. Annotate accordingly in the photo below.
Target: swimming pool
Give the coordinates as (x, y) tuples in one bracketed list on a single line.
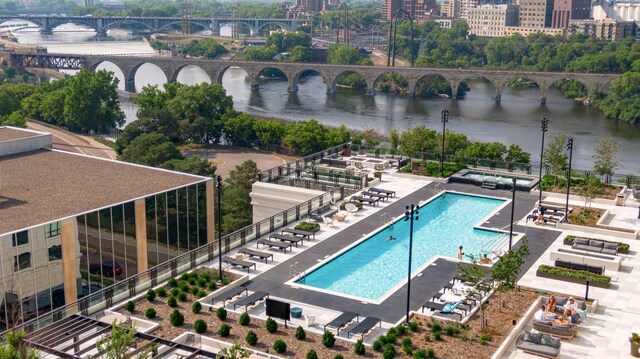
[(374, 266)]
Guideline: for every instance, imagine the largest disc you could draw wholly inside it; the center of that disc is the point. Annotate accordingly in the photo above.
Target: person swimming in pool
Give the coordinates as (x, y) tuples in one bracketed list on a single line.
[(460, 253)]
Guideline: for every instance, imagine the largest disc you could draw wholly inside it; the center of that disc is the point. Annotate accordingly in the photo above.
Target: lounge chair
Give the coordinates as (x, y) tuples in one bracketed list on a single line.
[(250, 300), (299, 232), (239, 263), (538, 344), (280, 245), (228, 295), (361, 199), (328, 221), (439, 307), (383, 191), (256, 254), (364, 326), (560, 331), (287, 238), (375, 195), (359, 165), (351, 208), (341, 321)]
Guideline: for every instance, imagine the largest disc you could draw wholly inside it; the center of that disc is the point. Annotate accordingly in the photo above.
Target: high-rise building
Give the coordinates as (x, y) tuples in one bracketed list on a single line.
[(450, 9), (605, 29), (490, 20), (625, 11), (535, 13), (390, 7), (425, 10), (565, 10), (465, 5)]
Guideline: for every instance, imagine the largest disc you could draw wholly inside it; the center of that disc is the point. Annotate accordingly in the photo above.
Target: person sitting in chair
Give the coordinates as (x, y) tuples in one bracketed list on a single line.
[(551, 304), (561, 322), (571, 308)]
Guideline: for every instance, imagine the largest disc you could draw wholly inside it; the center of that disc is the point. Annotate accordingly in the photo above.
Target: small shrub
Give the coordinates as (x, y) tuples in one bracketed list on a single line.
[(151, 295), (338, 356), (206, 276), (130, 306), (377, 345), (431, 353), (244, 319), (420, 354), (407, 349), (452, 331), (200, 326), (359, 348), (390, 338), (212, 285), (389, 351), (486, 337), (401, 330), (224, 330), (393, 331), (176, 318), (182, 296), (184, 287), (413, 326), (300, 333), (201, 294), (427, 338), (196, 307), (311, 354), (202, 283), (194, 275), (175, 292), (437, 336), (308, 226), (436, 328), (192, 281), (195, 290), (161, 292), (172, 302), (172, 283), (221, 313), (279, 346), (406, 341), (483, 342), (184, 277), (225, 281), (271, 325), (328, 339), (251, 338), (150, 313)]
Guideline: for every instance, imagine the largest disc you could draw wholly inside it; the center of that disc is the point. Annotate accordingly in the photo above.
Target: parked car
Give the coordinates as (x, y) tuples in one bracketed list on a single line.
[(109, 267)]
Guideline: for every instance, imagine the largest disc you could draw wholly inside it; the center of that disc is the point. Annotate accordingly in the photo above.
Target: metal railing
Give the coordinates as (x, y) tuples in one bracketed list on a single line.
[(141, 282)]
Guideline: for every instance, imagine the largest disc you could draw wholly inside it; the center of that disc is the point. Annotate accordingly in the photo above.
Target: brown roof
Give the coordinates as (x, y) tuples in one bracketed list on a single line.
[(43, 186), (7, 134)]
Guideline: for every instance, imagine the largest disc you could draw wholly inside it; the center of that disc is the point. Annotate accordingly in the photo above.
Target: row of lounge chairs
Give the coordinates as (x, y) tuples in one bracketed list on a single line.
[(361, 328), (449, 304), (246, 301)]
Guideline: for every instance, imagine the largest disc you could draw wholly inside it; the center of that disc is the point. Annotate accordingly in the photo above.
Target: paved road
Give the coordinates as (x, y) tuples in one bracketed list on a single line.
[(68, 141)]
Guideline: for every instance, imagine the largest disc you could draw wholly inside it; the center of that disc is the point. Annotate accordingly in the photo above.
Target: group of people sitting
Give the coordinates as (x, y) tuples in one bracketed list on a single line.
[(569, 317)]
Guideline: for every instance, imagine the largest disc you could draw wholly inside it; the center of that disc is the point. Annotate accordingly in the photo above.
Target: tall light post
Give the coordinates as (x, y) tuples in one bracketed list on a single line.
[(444, 118), (219, 187), (570, 149), (410, 215), (513, 207), (543, 127)]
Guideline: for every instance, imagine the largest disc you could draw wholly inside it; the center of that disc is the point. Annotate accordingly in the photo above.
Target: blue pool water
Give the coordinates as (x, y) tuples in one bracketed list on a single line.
[(376, 265)]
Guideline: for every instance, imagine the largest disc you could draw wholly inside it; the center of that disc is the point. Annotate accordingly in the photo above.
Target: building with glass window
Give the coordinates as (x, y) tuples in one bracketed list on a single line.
[(71, 225)]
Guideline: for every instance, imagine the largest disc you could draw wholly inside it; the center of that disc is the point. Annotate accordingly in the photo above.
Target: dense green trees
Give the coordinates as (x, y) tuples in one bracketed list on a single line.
[(345, 54), (207, 48), (286, 41), (236, 202), (623, 100)]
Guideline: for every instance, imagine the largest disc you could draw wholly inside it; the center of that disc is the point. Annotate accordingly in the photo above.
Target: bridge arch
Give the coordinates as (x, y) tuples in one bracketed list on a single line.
[(179, 23), (281, 25), (115, 24), (180, 73), (115, 69), (136, 86), (267, 71), (55, 23), (295, 80), (359, 83), (390, 81), (460, 86), (18, 18), (432, 85)]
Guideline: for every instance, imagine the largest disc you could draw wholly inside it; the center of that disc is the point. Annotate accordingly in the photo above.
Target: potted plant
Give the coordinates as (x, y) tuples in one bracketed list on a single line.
[(634, 340)]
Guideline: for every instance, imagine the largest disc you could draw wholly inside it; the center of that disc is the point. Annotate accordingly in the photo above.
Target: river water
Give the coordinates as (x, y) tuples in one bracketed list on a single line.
[(515, 120)]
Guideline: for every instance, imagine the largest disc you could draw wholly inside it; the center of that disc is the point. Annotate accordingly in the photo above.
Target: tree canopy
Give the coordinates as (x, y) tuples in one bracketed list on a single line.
[(207, 48), (237, 211)]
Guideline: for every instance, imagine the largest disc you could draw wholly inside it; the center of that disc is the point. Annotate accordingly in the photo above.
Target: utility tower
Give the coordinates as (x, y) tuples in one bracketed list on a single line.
[(187, 11), (234, 23)]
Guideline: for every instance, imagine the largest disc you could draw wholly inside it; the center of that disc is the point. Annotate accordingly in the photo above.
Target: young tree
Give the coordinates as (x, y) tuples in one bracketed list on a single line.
[(16, 348), (236, 202), (505, 271), (555, 157), (590, 190), (235, 352), (119, 340), (604, 156)]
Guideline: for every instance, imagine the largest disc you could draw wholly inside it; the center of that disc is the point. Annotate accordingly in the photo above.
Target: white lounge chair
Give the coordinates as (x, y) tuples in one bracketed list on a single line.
[(351, 208), (328, 221)]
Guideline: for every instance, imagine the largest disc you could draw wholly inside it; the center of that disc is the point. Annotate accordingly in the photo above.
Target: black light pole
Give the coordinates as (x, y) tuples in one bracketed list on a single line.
[(444, 119), (410, 215), (570, 149), (543, 127), (513, 207), (219, 187)]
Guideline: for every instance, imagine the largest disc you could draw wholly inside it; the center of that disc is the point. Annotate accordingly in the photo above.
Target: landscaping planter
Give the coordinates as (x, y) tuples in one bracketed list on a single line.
[(570, 279), (635, 349)]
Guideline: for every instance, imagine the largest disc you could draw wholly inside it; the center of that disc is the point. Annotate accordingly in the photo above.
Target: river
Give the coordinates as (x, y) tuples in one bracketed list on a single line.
[(515, 120)]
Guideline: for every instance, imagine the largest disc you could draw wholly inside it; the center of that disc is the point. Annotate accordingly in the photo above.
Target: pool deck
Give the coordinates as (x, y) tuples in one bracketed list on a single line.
[(424, 285)]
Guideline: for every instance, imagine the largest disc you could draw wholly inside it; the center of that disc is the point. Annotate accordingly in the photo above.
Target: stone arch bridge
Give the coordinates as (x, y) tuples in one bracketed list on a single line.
[(156, 24), (171, 67)]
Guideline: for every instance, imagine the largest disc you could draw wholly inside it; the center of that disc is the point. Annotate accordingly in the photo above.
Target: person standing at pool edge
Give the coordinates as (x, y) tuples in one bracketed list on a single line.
[(460, 254)]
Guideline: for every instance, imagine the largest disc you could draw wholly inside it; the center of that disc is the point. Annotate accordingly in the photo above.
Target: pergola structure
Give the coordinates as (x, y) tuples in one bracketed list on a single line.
[(76, 337)]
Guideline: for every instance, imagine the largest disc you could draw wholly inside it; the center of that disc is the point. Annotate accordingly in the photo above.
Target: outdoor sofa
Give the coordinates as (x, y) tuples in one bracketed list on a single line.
[(562, 301), (595, 246), (538, 344), (560, 331)]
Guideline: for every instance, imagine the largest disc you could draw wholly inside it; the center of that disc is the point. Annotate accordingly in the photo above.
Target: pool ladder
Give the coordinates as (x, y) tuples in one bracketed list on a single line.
[(294, 270), (489, 184), (438, 188)]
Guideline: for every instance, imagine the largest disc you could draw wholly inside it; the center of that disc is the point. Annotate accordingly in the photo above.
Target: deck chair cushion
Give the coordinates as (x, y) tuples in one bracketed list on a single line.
[(550, 341), (535, 338), (449, 308)]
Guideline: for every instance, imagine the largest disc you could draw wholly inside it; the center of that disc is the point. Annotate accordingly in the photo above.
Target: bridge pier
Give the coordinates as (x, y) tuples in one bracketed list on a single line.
[(46, 31), (215, 27), (130, 85), (454, 91), (371, 91), (101, 33), (293, 88), (498, 94), (255, 86)]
